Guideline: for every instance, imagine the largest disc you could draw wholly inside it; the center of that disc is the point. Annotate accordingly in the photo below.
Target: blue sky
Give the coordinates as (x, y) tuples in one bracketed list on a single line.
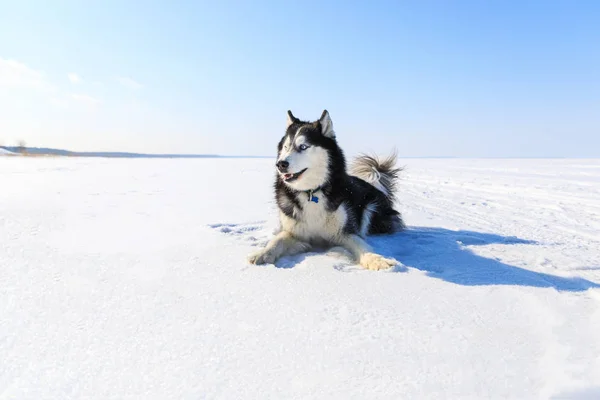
[(432, 78)]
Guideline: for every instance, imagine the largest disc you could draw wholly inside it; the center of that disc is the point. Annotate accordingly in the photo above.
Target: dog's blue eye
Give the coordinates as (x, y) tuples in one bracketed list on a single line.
[(303, 147)]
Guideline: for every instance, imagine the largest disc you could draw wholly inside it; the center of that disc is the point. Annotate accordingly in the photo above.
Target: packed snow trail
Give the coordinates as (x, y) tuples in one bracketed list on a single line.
[(127, 279)]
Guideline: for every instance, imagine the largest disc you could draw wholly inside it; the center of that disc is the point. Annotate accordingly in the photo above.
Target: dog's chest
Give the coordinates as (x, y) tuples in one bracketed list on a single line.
[(314, 220)]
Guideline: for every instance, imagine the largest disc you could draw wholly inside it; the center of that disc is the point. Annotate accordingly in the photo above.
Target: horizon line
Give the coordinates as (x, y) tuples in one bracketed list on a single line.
[(47, 151)]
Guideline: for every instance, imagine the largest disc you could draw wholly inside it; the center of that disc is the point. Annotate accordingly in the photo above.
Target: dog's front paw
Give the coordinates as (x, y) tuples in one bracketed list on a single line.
[(376, 262), (261, 257)]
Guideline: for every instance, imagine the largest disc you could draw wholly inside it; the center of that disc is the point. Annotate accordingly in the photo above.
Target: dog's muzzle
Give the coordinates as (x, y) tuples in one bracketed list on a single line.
[(282, 166)]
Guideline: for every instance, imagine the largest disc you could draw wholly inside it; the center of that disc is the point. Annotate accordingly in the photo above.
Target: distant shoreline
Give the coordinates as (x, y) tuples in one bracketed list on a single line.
[(44, 151), (50, 152)]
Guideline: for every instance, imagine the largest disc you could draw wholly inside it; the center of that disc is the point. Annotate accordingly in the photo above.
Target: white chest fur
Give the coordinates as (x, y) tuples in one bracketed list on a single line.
[(314, 222)]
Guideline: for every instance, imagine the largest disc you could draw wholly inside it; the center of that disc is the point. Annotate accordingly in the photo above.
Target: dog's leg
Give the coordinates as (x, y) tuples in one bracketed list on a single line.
[(283, 244), (363, 253)]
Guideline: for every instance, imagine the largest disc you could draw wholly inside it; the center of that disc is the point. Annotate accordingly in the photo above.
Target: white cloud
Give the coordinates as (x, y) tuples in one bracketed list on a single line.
[(59, 102), (74, 78), (85, 99), (129, 83), (16, 74)]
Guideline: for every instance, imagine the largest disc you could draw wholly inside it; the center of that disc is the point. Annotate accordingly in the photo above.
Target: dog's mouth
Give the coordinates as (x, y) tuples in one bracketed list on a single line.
[(292, 177)]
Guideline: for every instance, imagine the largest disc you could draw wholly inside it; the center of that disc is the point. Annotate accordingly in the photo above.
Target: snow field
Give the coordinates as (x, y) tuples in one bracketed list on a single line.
[(127, 279)]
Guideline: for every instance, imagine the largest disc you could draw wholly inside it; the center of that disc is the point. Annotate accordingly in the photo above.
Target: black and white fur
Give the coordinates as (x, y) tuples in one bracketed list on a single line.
[(345, 208)]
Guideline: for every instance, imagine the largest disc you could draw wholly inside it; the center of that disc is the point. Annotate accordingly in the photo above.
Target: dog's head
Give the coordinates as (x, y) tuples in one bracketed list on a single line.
[(304, 152)]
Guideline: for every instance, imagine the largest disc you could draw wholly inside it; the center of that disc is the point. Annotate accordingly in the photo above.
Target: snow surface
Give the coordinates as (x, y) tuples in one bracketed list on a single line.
[(125, 279), (4, 152)]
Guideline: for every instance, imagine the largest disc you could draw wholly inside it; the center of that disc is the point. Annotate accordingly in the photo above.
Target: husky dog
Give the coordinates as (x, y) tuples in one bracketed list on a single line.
[(321, 204)]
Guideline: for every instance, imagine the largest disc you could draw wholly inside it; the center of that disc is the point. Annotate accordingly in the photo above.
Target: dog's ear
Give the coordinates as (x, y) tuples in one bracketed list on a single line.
[(290, 118), (326, 125)]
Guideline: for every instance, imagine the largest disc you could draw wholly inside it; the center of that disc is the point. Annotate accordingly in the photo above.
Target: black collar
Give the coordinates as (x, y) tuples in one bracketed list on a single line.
[(311, 194)]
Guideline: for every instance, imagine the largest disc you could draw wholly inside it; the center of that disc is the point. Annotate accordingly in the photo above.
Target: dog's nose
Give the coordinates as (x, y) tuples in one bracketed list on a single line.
[(282, 165)]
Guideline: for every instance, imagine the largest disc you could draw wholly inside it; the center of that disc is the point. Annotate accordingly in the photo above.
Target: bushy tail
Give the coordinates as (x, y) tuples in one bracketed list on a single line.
[(382, 174)]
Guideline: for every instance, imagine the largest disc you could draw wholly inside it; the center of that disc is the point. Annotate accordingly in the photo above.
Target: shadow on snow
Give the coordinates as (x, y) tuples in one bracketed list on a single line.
[(444, 255)]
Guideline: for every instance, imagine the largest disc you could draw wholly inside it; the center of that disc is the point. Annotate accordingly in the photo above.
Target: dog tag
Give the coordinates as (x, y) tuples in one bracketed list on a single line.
[(312, 197)]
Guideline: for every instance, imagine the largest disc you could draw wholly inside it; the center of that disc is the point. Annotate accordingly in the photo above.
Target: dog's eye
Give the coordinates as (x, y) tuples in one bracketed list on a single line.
[(303, 147)]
